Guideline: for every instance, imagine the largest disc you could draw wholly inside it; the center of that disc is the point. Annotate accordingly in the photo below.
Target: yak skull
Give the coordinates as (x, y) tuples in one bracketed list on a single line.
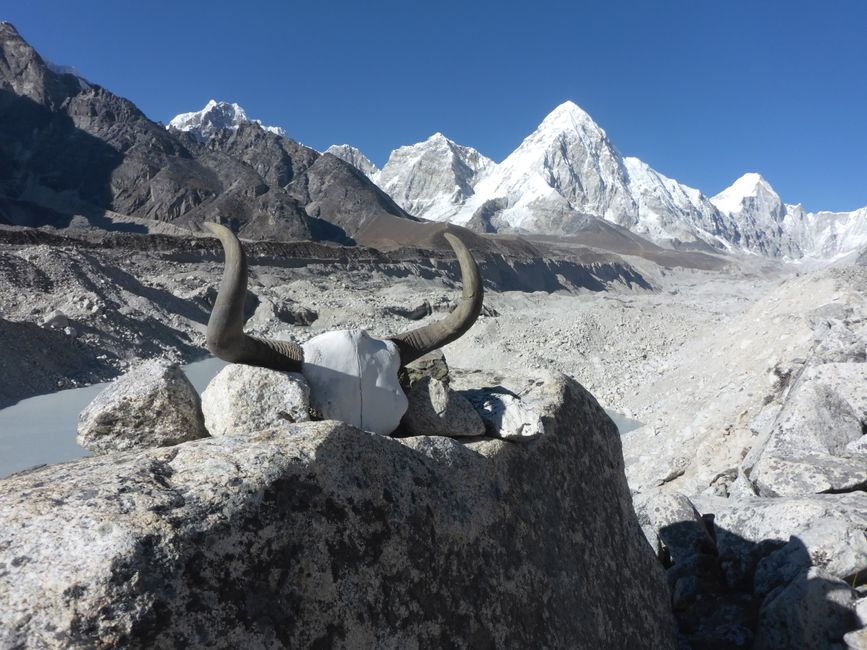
[(353, 377)]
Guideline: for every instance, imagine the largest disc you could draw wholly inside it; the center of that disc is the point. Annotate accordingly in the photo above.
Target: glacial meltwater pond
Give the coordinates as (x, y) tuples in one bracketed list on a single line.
[(41, 430)]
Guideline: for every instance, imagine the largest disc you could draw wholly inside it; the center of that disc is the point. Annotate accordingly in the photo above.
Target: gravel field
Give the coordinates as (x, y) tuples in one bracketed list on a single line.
[(695, 358)]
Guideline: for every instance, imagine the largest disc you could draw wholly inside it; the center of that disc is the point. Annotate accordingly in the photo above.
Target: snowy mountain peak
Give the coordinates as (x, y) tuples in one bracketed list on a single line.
[(566, 165), (749, 188), (434, 178), (751, 183), (569, 120), (568, 115), (214, 117), (354, 157)]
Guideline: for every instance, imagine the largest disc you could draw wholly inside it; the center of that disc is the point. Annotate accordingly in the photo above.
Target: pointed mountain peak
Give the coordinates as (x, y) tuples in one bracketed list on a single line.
[(439, 144), (438, 140), (24, 71), (214, 117), (568, 116), (751, 184), (7, 30)]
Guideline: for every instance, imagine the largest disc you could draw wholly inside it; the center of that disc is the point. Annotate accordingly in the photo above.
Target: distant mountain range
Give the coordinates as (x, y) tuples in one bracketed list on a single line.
[(70, 148), (568, 169)]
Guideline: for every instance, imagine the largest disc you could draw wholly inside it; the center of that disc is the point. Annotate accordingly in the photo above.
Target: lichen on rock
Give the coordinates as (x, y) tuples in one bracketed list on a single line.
[(319, 534), (152, 405)]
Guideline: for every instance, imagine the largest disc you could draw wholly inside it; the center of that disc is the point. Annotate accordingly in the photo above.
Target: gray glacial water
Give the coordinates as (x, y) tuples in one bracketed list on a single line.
[(41, 430)]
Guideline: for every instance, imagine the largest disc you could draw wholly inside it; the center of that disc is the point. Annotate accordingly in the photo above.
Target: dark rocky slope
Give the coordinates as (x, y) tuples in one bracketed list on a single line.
[(70, 147)]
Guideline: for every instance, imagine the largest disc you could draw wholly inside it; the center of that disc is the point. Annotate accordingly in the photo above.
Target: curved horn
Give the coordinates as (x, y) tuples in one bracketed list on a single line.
[(422, 340), (226, 338)]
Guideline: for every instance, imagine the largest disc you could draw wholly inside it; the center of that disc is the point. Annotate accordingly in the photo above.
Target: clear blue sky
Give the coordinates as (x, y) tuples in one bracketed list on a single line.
[(702, 90)]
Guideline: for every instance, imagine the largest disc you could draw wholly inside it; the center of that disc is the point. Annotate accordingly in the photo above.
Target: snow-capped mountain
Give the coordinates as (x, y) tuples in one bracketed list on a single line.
[(669, 210), (828, 234), (752, 204), (769, 226), (568, 169), (566, 165), (433, 178), (214, 117), (354, 157)]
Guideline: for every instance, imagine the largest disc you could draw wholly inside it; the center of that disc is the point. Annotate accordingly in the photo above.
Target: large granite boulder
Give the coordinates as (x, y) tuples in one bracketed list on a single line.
[(817, 442), (152, 405), (247, 398), (321, 535)]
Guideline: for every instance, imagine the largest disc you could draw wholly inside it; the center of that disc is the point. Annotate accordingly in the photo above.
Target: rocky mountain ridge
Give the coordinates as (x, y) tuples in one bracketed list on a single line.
[(215, 117), (74, 151)]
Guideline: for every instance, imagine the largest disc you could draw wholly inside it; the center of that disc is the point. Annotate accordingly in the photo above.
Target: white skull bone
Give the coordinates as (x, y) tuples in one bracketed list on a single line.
[(353, 378)]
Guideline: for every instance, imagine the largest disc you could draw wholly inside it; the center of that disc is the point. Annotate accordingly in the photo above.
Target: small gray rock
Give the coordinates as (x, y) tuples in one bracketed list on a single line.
[(672, 525), (56, 320), (152, 405), (508, 413), (856, 640), (433, 364), (436, 410), (246, 398)]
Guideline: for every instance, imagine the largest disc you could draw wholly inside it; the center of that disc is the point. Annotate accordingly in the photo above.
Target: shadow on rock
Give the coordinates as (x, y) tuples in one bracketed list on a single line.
[(729, 592)]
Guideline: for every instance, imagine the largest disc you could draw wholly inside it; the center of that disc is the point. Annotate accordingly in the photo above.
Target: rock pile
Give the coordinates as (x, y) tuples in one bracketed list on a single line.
[(770, 574), (778, 557), (320, 535)]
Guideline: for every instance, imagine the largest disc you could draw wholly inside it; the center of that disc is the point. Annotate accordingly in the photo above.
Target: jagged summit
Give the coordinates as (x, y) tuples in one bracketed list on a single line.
[(216, 116), (568, 169), (566, 166), (354, 157), (433, 178)]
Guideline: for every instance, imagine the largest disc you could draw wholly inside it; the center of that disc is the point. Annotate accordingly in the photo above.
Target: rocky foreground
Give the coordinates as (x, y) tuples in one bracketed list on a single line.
[(320, 535), (750, 385)]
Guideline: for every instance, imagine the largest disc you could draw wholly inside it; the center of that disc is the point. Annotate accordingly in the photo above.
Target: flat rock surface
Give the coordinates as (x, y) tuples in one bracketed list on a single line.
[(814, 444), (319, 534)]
